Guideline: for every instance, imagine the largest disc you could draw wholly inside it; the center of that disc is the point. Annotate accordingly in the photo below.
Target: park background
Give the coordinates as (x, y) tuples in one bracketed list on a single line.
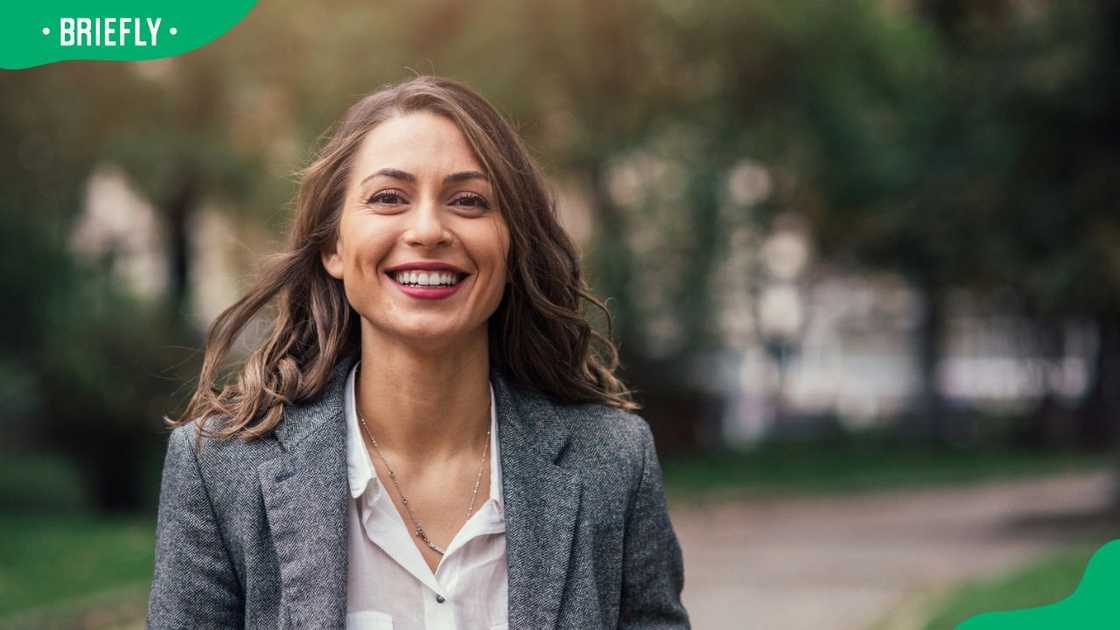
[(863, 258)]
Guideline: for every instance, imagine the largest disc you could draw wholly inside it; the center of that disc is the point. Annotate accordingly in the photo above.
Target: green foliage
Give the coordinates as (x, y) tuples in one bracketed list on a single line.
[(40, 483), (974, 161), (107, 373)]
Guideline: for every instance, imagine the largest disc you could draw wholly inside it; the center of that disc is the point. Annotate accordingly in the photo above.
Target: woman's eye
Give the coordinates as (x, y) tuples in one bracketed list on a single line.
[(474, 201), (386, 198)]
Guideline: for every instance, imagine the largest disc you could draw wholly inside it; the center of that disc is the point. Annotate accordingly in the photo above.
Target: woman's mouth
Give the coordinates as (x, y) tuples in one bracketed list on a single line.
[(428, 285)]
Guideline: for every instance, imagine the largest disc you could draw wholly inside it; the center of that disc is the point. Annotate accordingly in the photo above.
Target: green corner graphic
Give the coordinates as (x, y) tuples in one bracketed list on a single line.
[(1093, 605), (37, 33)]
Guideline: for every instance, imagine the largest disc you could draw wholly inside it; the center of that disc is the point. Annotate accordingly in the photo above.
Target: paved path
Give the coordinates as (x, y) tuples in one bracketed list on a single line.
[(845, 563)]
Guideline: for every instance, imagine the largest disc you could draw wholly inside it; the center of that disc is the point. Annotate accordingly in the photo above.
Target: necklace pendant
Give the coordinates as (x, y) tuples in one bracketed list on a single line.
[(420, 533)]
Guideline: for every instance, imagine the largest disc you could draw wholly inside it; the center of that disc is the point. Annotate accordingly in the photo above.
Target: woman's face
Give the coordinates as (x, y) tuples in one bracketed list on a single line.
[(417, 194)]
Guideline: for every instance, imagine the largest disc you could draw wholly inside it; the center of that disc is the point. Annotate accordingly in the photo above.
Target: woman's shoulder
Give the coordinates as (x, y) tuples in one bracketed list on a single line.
[(606, 437), (209, 449), (218, 461), (600, 421), (592, 427)]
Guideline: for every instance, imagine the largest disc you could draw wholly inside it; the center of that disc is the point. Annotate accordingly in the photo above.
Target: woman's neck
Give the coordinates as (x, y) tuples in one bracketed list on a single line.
[(425, 405)]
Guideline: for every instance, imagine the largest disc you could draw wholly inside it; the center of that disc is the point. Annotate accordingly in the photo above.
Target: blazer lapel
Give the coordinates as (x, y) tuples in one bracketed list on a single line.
[(305, 493), (541, 503)]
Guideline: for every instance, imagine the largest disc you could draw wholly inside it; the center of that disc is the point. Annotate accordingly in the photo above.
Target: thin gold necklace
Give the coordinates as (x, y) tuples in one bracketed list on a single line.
[(404, 500)]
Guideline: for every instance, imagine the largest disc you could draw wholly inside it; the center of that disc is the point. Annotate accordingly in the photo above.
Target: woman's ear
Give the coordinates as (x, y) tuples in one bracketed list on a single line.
[(332, 262)]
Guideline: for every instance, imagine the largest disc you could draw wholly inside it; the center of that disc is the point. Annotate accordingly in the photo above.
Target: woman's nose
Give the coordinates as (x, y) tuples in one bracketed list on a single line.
[(427, 226)]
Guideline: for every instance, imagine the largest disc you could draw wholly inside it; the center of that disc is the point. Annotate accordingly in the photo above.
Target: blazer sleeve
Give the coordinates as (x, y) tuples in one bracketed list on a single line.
[(653, 567), (194, 584)]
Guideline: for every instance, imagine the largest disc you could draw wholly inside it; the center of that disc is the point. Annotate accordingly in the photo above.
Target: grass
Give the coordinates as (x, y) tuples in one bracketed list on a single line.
[(61, 564), (1040, 583), (846, 467), (48, 560)]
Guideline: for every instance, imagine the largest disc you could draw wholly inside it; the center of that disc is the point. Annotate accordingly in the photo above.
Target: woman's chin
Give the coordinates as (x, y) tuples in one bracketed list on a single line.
[(429, 336)]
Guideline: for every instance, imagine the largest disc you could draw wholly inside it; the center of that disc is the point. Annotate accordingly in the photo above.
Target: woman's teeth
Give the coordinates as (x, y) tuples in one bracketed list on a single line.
[(426, 278)]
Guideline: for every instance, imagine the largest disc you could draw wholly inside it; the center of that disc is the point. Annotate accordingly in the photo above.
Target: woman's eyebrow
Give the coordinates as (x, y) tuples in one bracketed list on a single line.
[(395, 173), (464, 176), (391, 172)]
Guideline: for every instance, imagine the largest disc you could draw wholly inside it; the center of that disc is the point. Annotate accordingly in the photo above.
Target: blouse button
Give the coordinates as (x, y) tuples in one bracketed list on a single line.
[(439, 598)]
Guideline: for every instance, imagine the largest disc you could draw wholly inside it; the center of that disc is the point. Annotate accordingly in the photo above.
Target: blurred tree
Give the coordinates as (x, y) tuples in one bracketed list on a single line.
[(171, 135), (1036, 119), (108, 371), (876, 99), (844, 103), (977, 153), (1057, 227), (86, 357), (602, 77)]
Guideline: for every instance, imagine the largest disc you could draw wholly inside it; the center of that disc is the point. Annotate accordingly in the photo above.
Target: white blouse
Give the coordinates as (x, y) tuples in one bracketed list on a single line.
[(389, 585)]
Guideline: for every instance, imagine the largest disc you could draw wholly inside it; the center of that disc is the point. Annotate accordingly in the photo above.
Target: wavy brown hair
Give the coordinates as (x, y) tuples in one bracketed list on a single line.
[(538, 335)]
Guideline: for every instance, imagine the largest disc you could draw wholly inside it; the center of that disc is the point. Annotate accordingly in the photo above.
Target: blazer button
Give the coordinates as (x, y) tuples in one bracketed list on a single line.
[(439, 598)]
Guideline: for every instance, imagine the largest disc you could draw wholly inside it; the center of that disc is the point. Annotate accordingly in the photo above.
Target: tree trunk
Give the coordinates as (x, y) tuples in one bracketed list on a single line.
[(1048, 424), (613, 264), (179, 209), (115, 474), (1100, 409), (928, 422), (696, 307)]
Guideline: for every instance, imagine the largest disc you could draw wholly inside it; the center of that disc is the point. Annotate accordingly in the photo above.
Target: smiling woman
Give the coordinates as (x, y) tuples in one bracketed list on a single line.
[(432, 436)]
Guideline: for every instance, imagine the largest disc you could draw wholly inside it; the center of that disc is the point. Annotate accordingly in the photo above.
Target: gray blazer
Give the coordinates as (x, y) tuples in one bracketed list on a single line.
[(254, 534)]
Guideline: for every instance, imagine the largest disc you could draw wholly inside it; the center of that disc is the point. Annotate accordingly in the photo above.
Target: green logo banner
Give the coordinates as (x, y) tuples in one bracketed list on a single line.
[(1093, 605), (37, 33)]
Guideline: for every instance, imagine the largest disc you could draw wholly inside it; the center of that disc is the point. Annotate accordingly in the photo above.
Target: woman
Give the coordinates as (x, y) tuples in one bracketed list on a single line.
[(426, 438)]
